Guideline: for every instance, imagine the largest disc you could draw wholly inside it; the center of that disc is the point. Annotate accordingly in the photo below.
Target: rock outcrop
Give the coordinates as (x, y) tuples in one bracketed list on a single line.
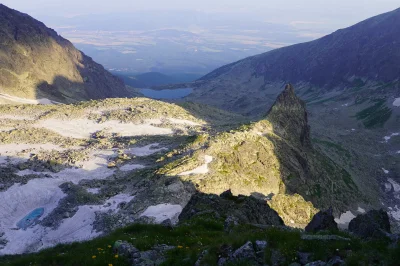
[(240, 209), (373, 224), (36, 62), (322, 221), (289, 118)]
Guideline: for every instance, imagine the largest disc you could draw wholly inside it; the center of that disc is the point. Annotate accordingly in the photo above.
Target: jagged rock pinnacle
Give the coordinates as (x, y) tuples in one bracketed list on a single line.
[(289, 117)]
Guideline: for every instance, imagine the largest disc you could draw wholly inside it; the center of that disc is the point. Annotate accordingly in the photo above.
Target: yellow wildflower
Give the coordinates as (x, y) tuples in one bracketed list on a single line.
[(109, 246), (93, 257), (116, 256), (110, 264), (180, 246)]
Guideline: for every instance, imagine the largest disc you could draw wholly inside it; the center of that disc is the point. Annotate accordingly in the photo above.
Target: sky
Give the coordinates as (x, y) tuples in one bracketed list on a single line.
[(338, 13)]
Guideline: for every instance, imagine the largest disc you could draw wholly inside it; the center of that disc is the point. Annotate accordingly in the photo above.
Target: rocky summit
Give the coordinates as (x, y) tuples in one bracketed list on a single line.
[(37, 64)]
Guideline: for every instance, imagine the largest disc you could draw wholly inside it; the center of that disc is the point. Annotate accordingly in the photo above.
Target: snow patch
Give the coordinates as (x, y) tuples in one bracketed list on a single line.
[(203, 169), (77, 228), (6, 129), (19, 200), (16, 117), (388, 187), (344, 219), (145, 150), (93, 190), (21, 152), (130, 167), (182, 122), (163, 212), (27, 101), (395, 185), (396, 102), (84, 128), (395, 213), (387, 138), (360, 210), (385, 171)]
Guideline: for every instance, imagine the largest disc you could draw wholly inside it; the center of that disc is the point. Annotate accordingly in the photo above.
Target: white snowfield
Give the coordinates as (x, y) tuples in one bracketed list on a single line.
[(15, 99), (16, 117), (163, 212), (19, 200), (80, 226), (396, 102), (145, 150), (130, 167), (21, 152), (344, 219), (84, 128), (203, 169)]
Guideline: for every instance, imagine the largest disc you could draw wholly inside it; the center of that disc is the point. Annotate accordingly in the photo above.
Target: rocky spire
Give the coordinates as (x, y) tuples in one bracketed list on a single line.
[(289, 117)]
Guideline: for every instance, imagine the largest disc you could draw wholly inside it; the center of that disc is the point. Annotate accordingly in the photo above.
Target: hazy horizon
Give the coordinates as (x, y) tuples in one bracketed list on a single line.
[(181, 37), (340, 13)]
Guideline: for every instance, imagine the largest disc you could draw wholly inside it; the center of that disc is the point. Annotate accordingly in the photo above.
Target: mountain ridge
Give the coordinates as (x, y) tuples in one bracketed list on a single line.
[(359, 57), (36, 62)]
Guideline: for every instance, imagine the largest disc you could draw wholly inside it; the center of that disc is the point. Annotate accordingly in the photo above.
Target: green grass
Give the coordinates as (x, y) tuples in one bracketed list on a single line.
[(322, 101), (376, 115), (333, 145), (206, 233)]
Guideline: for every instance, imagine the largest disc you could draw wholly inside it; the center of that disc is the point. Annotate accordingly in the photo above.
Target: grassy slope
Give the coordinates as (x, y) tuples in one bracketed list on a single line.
[(191, 238)]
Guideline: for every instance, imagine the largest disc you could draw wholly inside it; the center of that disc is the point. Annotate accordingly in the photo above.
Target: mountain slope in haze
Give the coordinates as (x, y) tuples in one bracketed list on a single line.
[(150, 79), (364, 54), (36, 62)]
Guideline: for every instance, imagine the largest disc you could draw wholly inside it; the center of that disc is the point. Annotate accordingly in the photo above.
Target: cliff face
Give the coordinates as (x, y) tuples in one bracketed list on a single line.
[(36, 62), (289, 117), (272, 158)]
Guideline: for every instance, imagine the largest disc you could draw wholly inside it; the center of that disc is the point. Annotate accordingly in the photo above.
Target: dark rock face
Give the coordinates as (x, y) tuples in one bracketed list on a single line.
[(240, 209), (289, 117), (154, 256), (322, 221), (373, 224), (245, 254), (57, 70)]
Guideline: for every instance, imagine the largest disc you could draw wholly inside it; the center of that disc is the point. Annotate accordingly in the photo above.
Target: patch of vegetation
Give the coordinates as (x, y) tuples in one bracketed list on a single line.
[(375, 115), (360, 100), (193, 237), (333, 145), (322, 101), (358, 83), (37, 136), (293, 208)]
